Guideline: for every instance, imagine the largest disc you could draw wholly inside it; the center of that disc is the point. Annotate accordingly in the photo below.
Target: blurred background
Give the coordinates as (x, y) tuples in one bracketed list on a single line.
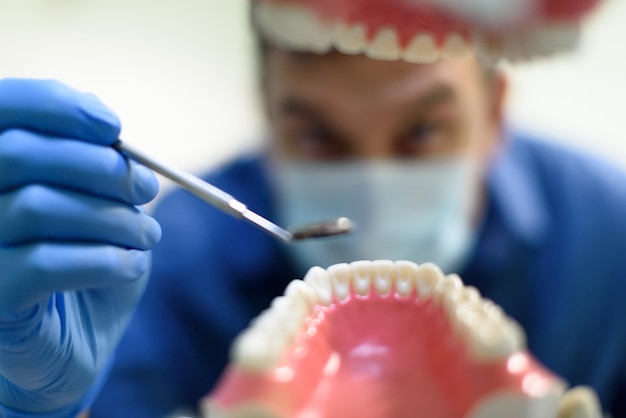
[(182, 74)]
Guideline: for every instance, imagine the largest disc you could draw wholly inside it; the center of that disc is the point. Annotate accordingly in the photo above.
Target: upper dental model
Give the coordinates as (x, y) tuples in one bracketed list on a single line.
[(388, 340), (423, 31)]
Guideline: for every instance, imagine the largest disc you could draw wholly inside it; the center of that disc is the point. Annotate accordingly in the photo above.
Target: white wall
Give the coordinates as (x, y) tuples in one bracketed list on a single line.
[(181, 74), (580, 97)]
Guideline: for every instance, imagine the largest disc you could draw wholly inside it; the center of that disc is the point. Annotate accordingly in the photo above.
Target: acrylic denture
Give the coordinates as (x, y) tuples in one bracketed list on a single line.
[(423, 31), (383, 339)]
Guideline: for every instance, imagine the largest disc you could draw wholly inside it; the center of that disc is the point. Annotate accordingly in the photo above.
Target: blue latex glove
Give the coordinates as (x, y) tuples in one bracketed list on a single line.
[(73, 260)]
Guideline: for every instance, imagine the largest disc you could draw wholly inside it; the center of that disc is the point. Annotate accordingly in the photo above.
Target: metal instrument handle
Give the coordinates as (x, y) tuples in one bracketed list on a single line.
[(205, 191)]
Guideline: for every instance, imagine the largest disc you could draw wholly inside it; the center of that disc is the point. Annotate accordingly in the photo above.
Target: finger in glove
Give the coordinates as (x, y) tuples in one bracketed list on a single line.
[(40, 213), (32, 272), (31, 158), (53, 108)]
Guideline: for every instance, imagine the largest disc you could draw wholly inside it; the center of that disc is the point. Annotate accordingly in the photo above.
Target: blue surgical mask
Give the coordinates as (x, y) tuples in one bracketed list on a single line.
[(418, 211)]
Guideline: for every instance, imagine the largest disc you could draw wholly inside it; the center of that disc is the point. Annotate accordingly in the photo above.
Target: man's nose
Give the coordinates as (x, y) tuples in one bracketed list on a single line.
[(374, 147)]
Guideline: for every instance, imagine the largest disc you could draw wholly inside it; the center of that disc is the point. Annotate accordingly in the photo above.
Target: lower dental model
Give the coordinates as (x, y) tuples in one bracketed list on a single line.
[(423, 31), (388, 340)]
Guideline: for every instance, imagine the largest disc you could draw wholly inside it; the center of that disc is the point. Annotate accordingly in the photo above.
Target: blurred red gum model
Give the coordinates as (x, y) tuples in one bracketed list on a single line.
[(396, 340), (422, 31)]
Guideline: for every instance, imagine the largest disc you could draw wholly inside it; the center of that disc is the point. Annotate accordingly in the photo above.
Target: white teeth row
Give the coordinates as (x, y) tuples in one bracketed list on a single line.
[(540, 41), (262, 345), (295, 27), (480, 323)]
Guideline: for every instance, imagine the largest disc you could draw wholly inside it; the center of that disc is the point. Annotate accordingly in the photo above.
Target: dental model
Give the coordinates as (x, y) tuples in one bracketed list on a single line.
[(388, 340), (423, 31)]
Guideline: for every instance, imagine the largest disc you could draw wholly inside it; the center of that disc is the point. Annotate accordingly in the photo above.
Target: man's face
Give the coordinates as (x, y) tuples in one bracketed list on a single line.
[(336, 107)]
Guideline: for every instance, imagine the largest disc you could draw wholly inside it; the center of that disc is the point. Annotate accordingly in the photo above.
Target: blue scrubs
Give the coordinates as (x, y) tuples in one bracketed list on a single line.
[(551, 252)]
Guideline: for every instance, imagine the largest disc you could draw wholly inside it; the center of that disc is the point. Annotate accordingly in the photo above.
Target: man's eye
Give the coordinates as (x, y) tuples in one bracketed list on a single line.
[(423, 138), (423, 132), (317, 142), (313, 136)]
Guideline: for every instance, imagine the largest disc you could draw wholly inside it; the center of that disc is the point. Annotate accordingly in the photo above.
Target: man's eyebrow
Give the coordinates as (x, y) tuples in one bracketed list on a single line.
[(294, 106), (436, 96)]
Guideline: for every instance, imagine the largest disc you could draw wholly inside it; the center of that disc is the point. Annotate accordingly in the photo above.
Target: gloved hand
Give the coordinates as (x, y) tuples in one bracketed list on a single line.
[(73, 260)]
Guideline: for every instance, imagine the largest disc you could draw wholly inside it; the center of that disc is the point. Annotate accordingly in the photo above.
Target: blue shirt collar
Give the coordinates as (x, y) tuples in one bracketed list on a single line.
[(516, 194)]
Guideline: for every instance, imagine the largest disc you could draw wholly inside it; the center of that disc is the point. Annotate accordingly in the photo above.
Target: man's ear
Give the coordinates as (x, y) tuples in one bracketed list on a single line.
[(499, 94), (499, 88)]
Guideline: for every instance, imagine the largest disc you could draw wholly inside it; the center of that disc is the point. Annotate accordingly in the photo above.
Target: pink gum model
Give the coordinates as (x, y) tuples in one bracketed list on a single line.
[(424, 30), (381, 339)]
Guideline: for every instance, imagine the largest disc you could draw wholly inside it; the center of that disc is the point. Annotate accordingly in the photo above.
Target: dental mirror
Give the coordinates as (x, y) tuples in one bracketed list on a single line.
[(320, 230), (226, 203)]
